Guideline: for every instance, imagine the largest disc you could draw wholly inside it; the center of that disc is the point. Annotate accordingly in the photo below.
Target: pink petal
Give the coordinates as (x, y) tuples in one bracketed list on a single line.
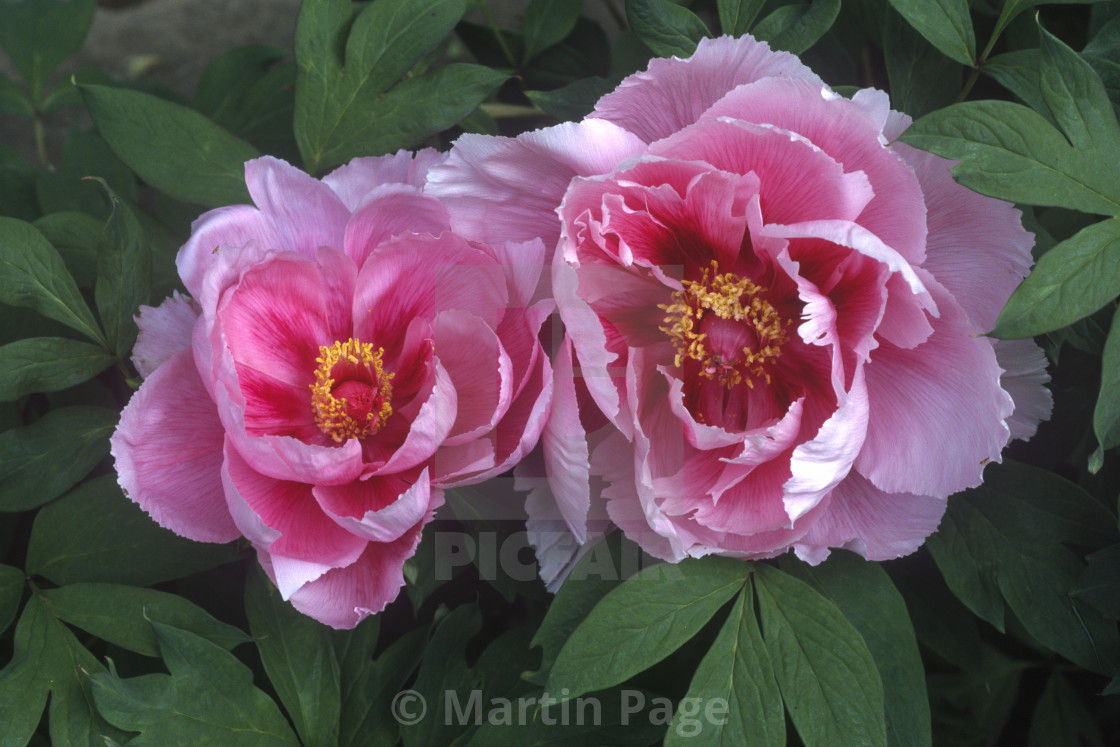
[(164, 331), (301, 212), (937, 410), (217, 232), (480, 370), (871, 522), (301, 531), (378, 509), (390, 210), (672, 94), (500, 189), (847, 132), (354, 181), (1024, 378), (343, 597), (428, 429), (276, 408), (168, 452)]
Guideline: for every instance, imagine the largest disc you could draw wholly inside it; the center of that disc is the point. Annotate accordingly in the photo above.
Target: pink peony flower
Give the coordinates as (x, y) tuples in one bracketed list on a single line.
[(777, 308), (342, 360)]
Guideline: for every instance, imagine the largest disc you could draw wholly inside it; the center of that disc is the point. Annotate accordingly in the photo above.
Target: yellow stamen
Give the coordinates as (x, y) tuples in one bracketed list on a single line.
[(731, 297), (345, 362)]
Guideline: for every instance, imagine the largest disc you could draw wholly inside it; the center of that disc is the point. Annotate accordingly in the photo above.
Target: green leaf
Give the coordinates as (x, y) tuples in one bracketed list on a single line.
[(124, 274), (1062, 717), (1011, 536), (795, 28), (736, 16), (1099, 585), (343, 69), (1010, 152), (1018, 72), (32, 274), (11, 591), (828, 678), (175, 149), (95, 534), (865, 595), (736, 670), (23, 682), (47, 364), (41, 461), (1106, 413), (669, 30), (76, 237), (921, 78), (299, 658), (1071, 281), (208, 698), (122, 615), (945, 23), (642, 621), (1076, 98), (1012, 8), (13, 100), (366, 716), (941, 622), (547, 22), (39, 35)]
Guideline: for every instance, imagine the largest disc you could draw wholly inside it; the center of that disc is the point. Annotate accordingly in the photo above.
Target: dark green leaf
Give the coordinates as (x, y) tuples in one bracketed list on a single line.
[(737, 671), (869, 600), (547, 22), (828, 678), (736, 16), (941, 622), (971, 707), (642, 621), (573, 101), (23, 682), (11, 591), (208, 698), (1010, 152), (1010, 534), (1099, 585), (1106, 414), (1071, 281), (921, 78), (1018, 72), (343, 71), (1062, 717), (41, 461), (122, 615), (75, 236), (32, 274), (366, 705), (39, 35), (945, 23), (47, 364), (173, 148), (444, 681), (1012, 8), (13, 100), (1076, 98), (96, 534), (228, 78), (667, 29), (124, 275), (298, 656), (795, 28)]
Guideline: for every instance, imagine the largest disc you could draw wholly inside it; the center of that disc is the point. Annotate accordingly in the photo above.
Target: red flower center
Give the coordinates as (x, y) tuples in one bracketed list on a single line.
[(351, 396)]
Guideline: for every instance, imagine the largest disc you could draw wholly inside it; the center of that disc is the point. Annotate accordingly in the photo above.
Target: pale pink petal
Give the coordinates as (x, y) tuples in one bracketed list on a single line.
[(847, 132), (937, 410), (524, 263), (343, 597), (501, 189), (355, 180), (459, 464), (480, 369), (390, 210), (378, 509), (300, 212), (219, 232), (164, 331), (168, 452), (977, 246), (1024, 378), (302, 530), (673, 93), (871, 522)]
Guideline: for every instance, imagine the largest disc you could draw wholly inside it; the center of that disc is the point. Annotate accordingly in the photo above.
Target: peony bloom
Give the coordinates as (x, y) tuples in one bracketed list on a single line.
[(342, 359), (777, 308)]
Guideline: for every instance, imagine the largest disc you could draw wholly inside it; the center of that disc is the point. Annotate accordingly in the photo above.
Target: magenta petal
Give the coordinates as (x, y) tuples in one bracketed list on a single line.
[(301, 212), (354, 181), (378, 509), (502, 189), (343, 597), (673, 93), (876, 524), (168, 452), (164, 331)]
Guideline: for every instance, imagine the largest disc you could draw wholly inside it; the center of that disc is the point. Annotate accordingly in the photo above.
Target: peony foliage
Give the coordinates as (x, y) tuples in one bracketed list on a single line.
[(637, 372)]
